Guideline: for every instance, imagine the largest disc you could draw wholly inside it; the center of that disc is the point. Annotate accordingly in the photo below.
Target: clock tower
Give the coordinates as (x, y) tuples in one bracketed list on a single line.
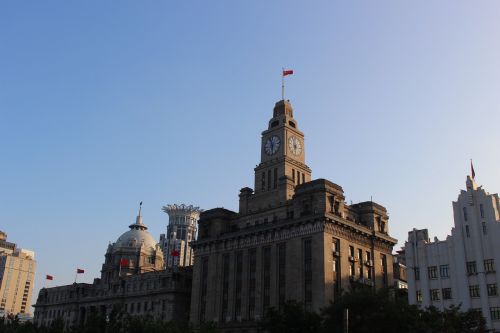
[(282, 165)]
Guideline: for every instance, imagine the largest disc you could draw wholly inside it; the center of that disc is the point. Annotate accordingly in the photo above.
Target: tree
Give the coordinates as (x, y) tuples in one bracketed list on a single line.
[(291, 318)]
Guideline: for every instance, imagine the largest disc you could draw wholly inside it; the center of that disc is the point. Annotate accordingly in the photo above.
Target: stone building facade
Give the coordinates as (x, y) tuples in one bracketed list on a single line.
[(460, 269), (181, 230), (133, 281), (17, 275), (293, 238)]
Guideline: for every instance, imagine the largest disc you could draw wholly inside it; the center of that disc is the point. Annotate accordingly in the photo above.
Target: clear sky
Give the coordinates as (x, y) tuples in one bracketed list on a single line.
[(104, 104)]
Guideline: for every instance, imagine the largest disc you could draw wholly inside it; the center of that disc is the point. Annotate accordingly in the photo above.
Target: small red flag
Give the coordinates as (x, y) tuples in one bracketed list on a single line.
[(49, 277), (473, 174), (174, 253), (124, 262), (80, 271), (287, 72)]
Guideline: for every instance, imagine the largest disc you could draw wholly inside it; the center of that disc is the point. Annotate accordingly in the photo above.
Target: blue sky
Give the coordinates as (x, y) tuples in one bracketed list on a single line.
[(105, 104)]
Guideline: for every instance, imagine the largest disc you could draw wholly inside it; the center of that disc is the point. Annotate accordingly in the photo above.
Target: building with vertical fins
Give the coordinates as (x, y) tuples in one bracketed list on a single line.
[(292, 238), (460, 270), (17, 275), (181, 230), (133, 281)]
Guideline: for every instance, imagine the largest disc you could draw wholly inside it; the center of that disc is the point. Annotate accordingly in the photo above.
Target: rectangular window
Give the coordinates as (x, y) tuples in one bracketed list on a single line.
[(432, 272), (268, 179), (368, 256), (465, 213), (303, 178), (298, 177), (495, 313), (417, 273), (351, 251), (485, 231), (481, 209), (263, 181), (474, 291), (225, 286), (467, 231), (336, 246), (266, 278), (307, 271), (492, 289), (252, 266), (203, 284), (444, 271), (471, 267), (383, 260), (275, 181), (281, 273), (489, 266), (238, 285), (351, 269), (435, 295), (446, 292), (293, 176)]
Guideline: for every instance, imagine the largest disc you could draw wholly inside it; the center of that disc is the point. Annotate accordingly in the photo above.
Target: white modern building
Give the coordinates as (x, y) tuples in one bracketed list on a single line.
[(181, 230), (462, 268)]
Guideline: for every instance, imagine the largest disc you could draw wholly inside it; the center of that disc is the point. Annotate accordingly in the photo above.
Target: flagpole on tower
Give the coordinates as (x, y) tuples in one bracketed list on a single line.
[(283, 83)]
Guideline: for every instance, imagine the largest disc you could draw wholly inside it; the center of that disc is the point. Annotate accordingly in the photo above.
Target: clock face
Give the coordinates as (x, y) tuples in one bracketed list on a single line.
[(294, 145), (272, 145)]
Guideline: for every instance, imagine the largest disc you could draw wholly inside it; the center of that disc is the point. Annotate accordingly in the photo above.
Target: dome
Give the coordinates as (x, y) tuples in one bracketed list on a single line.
[(136, 237)]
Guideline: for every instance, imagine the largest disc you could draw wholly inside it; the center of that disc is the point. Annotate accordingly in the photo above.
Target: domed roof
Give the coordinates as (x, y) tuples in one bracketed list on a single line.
[(137, 236)]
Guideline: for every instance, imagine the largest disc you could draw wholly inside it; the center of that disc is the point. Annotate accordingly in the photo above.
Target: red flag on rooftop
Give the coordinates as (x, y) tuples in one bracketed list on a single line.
[(124, 262), (287, 72), (49, 277), (174, 253), (472, 173), (80, 271)]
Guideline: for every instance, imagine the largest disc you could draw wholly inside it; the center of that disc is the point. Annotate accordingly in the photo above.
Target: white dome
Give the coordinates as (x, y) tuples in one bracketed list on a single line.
[(137, 236)]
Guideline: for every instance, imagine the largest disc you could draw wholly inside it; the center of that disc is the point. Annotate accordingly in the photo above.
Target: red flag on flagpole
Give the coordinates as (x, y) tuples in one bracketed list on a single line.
[(174, 253), (472, 173), (49, 277), (80, 271), (287, 72), (124, 262)]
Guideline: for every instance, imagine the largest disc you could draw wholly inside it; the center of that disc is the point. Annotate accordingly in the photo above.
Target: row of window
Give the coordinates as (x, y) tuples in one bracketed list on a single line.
[(481, 211), (444, 270), (445, 293)]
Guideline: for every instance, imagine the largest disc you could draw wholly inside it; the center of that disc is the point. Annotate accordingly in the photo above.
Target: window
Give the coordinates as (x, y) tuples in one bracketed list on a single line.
[(467, 232), (266, 278), (485, 231), (474, 290), (495, 313), (351, 251), (275, 182), (351, 269), (435, 295), (307, 271), (263, 181), (492, 289), (446, 292), (360, 254), (489, 266), (465, 213), (238, 284), (303, 178), (252, 263), (268, 179), (368, 256), (481, 209), (336, 245), (432, 272), (293, 176), (471, 267), (334, 264), (225, 286), (444, 271), (417, 273), (281, 273)]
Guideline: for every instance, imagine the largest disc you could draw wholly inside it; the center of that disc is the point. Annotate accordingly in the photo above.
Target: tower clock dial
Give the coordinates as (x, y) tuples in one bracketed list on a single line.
[(272, 145), (294, 145)]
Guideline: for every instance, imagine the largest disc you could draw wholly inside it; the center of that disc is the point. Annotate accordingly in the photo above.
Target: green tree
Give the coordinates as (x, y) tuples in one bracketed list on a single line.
[(291, 318)]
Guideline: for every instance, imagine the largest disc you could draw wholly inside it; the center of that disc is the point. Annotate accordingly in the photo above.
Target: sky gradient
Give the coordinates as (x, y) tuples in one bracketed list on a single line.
[(106, 104)]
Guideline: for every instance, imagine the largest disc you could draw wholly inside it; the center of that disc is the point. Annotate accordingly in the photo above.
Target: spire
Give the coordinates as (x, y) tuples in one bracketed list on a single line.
[(138, 221)]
